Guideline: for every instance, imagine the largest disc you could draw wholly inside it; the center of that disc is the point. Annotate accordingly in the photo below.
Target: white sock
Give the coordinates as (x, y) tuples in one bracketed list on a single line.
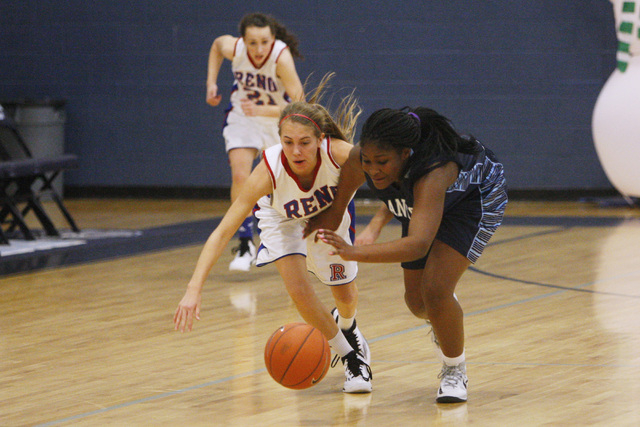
[(340, 344), (346, 323), (453, 361)]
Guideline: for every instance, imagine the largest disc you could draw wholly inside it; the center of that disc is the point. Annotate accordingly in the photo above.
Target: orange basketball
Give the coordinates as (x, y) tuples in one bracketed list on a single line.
[(297, 356)]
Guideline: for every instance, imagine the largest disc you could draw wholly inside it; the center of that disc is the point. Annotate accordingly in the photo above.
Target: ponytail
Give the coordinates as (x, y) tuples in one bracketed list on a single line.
[(290, 39), (313, 114), (438, 136)]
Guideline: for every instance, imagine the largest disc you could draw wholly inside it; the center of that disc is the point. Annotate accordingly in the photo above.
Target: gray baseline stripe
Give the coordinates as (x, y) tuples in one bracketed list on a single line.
[(152, 398)]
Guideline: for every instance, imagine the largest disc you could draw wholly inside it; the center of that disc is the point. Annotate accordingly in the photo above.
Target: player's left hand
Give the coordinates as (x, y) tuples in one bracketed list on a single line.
[(187, 311), (341, 248), (249, 108)]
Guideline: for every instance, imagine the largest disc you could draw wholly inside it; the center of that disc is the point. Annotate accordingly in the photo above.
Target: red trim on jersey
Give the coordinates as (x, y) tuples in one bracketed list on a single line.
[(331, 155), (273, 177), (256, 208), (234, 89), (293, 176), (352, 227), (235, 46), (278, 57), (266, 58)]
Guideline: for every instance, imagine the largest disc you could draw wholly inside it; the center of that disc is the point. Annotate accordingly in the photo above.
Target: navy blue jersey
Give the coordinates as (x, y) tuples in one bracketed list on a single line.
[(476, 200)]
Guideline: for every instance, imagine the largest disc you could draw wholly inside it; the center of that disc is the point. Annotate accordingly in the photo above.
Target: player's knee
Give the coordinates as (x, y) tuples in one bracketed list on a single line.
[(415, 304), (300, 294), (348, 299), (435, 299)]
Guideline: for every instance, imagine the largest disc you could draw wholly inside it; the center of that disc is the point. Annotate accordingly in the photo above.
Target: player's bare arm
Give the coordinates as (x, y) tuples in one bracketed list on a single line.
[(351, 178), (286, 72), (372, 231), (221, 49), (429, 194), (258, 184)]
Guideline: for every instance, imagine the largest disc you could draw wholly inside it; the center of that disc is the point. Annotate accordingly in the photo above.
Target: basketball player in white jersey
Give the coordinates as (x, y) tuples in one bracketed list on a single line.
[(294, 181), (265, 80)]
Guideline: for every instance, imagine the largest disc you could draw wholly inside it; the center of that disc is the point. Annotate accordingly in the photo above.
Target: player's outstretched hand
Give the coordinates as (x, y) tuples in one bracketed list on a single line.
[(341, 248), (188, 309)]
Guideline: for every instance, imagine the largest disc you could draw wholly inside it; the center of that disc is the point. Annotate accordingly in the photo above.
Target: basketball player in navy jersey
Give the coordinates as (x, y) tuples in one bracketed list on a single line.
[(449, 193), (265, 81)]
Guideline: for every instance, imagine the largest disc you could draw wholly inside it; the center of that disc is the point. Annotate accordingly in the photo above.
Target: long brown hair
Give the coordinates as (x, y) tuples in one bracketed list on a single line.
[(341, 124), (278, 30)]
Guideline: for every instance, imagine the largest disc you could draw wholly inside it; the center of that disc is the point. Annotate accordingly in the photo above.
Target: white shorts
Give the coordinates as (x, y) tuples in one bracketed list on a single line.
[(249, 132), (280, 237)]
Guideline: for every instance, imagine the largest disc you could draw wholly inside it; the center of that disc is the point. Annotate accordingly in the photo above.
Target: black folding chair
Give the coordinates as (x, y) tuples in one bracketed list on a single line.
[(24, 181)]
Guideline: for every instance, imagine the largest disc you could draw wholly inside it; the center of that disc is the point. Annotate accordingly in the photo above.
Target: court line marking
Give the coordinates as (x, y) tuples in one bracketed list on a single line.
[(579, 288), (549, 285), (151, 398), (577, 365)]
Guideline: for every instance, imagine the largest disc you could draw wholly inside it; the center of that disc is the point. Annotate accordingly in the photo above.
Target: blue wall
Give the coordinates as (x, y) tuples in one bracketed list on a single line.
[(522, 76)]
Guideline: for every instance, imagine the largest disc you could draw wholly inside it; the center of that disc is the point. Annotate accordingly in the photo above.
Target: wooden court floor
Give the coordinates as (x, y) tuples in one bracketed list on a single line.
[(552, 333)]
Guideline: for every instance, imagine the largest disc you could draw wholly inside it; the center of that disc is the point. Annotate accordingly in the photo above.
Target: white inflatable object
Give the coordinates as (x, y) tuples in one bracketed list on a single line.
[(616, 115)]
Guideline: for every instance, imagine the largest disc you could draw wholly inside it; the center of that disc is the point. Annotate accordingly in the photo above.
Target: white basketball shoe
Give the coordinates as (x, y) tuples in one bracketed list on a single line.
[(245, 256)]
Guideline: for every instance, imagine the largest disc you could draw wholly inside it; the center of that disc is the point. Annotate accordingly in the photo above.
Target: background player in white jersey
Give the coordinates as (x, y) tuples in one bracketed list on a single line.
[(293, 182), (265, 80)]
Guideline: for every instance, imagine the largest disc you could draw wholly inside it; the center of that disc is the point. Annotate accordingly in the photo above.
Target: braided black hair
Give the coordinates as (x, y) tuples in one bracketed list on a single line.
[(421, 129)]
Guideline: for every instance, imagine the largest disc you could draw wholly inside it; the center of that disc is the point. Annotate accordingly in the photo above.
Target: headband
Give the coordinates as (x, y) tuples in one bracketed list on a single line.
[(414, 115), (300, 115)]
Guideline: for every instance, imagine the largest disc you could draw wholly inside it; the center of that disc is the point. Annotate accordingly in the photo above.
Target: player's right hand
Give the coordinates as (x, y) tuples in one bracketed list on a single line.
[(213, 98)]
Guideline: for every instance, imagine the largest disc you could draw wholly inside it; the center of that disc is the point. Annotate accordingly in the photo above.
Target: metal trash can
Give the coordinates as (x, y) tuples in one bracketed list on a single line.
[(41, 124)]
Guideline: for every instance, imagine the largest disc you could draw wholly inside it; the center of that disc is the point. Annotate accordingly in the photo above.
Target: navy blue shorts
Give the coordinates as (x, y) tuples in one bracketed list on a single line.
[(469, 224)]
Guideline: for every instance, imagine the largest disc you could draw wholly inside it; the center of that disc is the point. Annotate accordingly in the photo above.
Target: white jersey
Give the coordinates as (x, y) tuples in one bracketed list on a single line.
[(281, 216), (260, 85), (289, 198)]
